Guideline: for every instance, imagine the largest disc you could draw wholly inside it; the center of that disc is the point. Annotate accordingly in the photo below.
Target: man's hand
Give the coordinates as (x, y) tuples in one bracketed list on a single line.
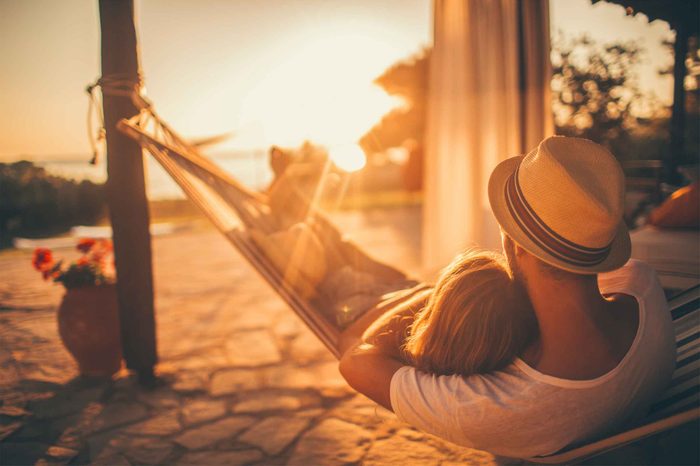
[(371, 348)]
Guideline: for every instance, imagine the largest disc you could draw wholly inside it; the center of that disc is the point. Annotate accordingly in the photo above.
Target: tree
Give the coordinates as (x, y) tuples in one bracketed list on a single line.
[(595, 93), (35, 203), (407, 79), (682, 17)]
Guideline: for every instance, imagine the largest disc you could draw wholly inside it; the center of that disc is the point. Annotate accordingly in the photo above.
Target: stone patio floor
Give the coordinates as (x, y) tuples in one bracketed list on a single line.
[(248, 383)]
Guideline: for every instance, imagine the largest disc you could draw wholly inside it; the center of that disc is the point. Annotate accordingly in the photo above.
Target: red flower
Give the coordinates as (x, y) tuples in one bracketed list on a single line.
[(96, 255), (89, 269), (85, 244), (42, 258)]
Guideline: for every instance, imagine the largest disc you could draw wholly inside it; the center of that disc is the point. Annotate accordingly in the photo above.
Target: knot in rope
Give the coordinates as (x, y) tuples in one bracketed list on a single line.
[(112, 85)]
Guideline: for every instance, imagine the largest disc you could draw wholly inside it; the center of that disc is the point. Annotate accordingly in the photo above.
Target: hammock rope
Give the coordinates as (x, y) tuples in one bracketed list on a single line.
[(113, 85), (233, 208)]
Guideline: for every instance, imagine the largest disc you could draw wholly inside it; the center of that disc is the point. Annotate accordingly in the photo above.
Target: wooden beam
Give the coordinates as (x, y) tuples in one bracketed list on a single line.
[(677, 145), (126, 194)]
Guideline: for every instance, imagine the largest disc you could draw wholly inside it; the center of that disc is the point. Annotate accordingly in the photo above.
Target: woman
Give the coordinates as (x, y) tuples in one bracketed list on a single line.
[(476, 320)]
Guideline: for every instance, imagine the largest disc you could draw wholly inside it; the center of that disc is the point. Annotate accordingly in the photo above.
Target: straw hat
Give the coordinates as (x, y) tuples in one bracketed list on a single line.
[(563, 203)]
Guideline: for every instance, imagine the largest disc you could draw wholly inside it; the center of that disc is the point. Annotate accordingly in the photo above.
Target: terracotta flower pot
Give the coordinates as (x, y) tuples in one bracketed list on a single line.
[(88, 323)]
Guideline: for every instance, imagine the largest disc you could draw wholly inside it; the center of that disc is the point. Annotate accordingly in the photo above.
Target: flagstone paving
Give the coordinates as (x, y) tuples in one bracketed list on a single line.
[(247, 382)]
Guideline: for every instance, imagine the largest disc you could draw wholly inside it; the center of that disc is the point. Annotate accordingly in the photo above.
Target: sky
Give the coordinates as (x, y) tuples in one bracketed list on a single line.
[(267, 71)]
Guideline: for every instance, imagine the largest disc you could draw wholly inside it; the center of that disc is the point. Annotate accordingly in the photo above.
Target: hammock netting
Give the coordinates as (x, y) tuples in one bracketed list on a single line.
[(328, 281)]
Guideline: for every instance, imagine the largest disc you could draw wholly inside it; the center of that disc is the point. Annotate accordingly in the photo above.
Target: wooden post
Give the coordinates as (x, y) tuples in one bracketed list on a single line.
[(126, 194), (677, 146)]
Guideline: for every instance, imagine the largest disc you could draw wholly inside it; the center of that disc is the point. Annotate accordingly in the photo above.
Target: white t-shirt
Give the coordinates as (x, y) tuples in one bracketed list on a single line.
[(519, 412)]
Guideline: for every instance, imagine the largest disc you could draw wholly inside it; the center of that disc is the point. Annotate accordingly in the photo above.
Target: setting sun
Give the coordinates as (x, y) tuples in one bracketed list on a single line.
[(349, 158), (277, 73), (320, 88)]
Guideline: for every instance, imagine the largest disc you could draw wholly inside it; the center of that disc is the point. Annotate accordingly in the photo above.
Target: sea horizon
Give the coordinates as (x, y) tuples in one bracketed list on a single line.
[(248, 166)]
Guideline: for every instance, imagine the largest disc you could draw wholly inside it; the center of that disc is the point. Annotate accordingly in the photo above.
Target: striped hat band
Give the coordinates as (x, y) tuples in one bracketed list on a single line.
[(542, 235)]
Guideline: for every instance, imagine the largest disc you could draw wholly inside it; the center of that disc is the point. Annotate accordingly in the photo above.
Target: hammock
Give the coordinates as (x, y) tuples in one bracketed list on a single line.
[(237, 211)]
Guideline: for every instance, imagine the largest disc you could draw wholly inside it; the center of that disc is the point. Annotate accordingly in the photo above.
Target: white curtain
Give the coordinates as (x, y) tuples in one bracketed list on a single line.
[(488, 100)]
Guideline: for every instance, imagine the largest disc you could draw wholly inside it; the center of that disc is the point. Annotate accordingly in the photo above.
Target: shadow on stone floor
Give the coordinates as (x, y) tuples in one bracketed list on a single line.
[(46, 420), (76, 422), (246, 387)]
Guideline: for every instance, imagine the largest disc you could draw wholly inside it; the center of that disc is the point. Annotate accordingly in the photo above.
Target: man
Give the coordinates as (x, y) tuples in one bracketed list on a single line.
[(605, 347)]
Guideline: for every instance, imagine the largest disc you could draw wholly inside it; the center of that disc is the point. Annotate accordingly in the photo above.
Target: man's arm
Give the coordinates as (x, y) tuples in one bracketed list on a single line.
[(371, 348)]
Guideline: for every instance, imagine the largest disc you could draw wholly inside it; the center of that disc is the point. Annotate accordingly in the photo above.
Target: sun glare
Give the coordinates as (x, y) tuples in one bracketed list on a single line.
[(320, 90), (273, 73), (349, 158)]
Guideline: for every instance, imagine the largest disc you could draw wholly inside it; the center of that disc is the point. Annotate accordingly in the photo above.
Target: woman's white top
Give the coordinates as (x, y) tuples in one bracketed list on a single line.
[(519, 412)]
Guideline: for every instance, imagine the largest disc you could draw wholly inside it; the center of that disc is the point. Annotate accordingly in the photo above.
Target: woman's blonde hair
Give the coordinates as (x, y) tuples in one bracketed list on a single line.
[(477, 320)]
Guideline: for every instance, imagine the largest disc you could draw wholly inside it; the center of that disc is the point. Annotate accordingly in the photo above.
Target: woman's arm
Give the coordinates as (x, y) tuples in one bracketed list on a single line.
[(371, 348), (369, 371), (384, 327)]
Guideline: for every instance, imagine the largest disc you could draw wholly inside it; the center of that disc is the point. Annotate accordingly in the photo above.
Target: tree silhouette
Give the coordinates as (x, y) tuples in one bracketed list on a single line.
[(595, 92), (408, 80), (37, 203)]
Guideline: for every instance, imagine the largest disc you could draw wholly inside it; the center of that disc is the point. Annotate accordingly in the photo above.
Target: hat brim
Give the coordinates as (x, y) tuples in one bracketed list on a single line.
[(620, 248)]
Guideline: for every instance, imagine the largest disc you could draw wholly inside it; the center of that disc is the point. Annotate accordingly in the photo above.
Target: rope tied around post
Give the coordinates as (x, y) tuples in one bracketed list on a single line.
[(114, 85)]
